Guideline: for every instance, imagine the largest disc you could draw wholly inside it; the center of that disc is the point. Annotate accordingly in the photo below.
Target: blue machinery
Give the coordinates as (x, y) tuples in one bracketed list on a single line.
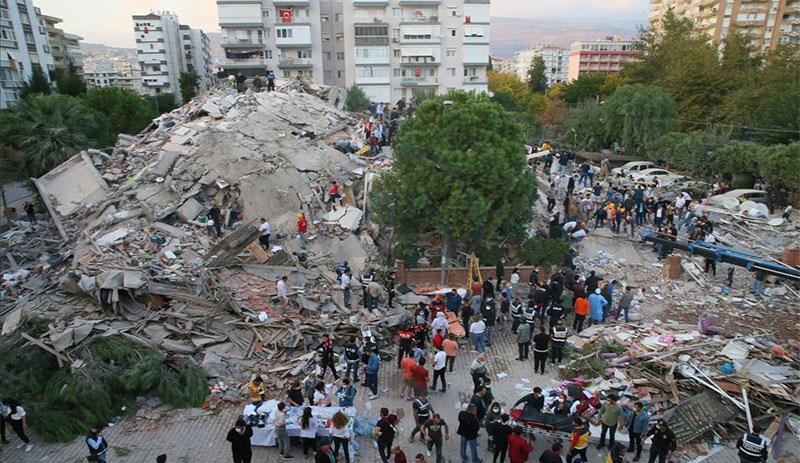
[(726, 255)]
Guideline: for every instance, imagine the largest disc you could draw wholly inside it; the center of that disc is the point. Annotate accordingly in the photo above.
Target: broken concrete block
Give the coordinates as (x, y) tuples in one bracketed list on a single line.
[(165, 163), (170, 230), (189, 210)]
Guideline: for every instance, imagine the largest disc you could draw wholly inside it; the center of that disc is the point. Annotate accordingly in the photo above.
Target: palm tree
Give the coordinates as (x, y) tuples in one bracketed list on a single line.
[(49, 130)]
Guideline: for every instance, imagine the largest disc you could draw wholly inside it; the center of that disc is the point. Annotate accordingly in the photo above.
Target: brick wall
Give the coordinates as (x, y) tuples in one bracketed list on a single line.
[(456, 276)]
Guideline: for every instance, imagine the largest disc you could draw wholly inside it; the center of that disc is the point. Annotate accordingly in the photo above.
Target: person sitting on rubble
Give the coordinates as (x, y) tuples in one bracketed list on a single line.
[(258, 84), (256, 389), (334, 196)]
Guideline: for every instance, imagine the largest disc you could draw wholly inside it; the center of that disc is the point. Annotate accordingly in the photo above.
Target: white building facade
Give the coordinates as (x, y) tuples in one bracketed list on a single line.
[(163, 54), (556, 62), (389, 48), (23, 45)]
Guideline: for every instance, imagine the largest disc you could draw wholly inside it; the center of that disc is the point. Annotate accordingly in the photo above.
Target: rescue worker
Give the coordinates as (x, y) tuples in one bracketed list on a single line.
[(663, 442), (558, 339), (366, 278), (517, 314), (753, 446)]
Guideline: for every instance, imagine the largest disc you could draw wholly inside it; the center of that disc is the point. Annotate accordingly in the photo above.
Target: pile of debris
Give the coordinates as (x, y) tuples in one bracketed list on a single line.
[(702, 383), (137, 257)]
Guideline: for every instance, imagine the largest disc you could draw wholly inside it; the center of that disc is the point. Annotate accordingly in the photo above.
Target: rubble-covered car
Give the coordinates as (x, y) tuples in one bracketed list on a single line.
[(633, 167), (664, 177), (741, 195)]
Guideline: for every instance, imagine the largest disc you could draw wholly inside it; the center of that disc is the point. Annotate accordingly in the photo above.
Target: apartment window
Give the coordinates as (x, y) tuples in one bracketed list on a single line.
[(326, 36), (450, 52), (339, 74), (337, 17), (267, 33), (324, 18), (265, 13), (397, 12), (371, 31), (452, 32), (451, 72), (268, 54), (286, 73), (397, 72), (340, 37), (326, 56), (370, 71), (304, 54), (340, 56), (7, 34), (327, 75), (396, 53), (283, 33), (372, 52)]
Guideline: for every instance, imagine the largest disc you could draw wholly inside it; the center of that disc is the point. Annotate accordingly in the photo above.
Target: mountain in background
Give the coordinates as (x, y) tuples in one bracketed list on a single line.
[(513, 34)]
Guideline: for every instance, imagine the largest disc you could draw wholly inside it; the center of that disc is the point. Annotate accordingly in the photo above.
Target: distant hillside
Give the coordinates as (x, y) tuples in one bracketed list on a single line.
[(513, 34)]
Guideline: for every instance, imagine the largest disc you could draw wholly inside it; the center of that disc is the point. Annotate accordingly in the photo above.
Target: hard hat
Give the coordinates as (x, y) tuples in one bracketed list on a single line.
[(299, 216)]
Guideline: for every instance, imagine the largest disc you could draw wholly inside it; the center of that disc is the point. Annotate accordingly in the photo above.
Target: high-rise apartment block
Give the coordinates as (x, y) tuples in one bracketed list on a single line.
[(65, 47), (389, 48), (166, 49), (765, 23), (556, 62), (23, 45), (606, 56)]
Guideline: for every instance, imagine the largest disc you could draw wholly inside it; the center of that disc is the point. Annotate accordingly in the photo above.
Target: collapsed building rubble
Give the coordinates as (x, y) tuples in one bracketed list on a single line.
[(141, 261)]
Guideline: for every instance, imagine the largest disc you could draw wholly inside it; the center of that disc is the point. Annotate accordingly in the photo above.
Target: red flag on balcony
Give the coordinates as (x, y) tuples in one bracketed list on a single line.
[(146, 30), (468, 19), (286, 16)]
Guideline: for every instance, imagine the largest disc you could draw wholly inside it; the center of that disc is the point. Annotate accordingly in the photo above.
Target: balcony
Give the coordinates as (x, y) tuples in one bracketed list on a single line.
[(415, 81), (290, 2), (370, 20), (414, 61), (295, 63), (476, 2), (373, 60), (420, 19), (419, 2), (372, 40), (246, 62), (244, 43), (475, 80), (13, 83), (370, 2), (476, 40)]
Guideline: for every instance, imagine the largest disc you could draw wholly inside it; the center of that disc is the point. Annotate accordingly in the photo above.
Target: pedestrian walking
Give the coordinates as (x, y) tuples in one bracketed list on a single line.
[(558, 339), (15, 416), (439, 367), (636, 422), (468, 428), (266, 232), (341, 434), (579, 440), (302, 229), (239, 437), (385, 430), (523, 333), (625, 304), (500, 433), (610, 415), (435, 431), (345, 285), (422, 410), (450, 347), (327, 357), (477, 332), (478, 371), (371, 373)]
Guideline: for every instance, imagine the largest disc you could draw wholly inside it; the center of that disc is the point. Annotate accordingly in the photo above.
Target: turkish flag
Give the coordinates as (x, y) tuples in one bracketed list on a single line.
[(286, 16), (146, 30)]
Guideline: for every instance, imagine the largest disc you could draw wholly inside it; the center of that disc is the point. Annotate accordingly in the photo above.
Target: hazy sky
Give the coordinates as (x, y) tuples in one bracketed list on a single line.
[(109, 21)]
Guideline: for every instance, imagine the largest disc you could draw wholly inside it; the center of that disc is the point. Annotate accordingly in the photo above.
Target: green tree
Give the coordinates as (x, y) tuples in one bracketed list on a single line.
[(459, 171), (37, 84), (163, 102), (537, 75), (188, 82), (738, 160), (127, 112), (507, 100), (356, 100), (50, 129), (585, 87), (690, 152), (637, 115), (68, 82), (780, 165), (12, 165)]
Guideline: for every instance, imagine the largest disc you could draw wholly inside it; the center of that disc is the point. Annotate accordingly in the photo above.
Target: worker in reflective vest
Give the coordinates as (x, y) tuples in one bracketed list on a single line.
[(530, 316), (516, 314), (558, 338), (752, 446)]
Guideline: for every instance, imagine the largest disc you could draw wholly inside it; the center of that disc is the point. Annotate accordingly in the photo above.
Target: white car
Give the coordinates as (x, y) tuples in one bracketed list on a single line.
[(758, 196), (664, 177), (633, 167)]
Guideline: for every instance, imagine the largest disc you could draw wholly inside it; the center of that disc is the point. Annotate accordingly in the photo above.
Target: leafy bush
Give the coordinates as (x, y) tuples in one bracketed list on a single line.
[(544, 252)]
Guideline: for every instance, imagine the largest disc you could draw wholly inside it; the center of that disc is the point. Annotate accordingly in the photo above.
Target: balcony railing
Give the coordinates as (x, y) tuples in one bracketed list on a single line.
[(419, 19), (295, 62), (425, 80)]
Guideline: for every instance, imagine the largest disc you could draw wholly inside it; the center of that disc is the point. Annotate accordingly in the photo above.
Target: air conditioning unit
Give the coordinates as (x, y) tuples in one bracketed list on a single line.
[(395, 40)]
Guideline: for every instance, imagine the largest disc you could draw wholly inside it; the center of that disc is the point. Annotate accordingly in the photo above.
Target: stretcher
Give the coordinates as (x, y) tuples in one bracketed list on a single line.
[(454, 325), (534, 422)]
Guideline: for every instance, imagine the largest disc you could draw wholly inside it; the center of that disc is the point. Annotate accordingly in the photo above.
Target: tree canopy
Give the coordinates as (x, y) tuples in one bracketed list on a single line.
[(537, 77), (127, 112), (459, 171), (68, 82), (49, 129), (188, 82), (356, 100), (37, 84)]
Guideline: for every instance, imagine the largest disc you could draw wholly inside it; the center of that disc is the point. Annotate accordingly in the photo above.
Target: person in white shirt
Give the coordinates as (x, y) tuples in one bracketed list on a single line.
[(282, 291), (266, 231), (346, 287), (281, 434), (476, 334), (308, 431), (15, 415), (439, 364), (341, 434)]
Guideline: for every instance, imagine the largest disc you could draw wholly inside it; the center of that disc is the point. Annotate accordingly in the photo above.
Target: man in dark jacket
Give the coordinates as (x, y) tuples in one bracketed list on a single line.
[(552, 455), (663, 444), (532, 401), (488, 288), (489, 314), (500, 273)]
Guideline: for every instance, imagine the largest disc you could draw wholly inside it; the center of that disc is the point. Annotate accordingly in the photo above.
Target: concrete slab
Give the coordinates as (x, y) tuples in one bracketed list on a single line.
[(165, 163), (189, 210)]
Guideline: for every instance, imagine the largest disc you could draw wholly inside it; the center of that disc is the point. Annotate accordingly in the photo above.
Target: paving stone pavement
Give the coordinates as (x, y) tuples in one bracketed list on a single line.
[(188, 438)]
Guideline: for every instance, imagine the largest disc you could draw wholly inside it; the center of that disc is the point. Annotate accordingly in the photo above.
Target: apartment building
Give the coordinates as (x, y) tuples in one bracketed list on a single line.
[(166, 49), (389, 48), (65, 47), (506, 66), (556, 62), (606, 56), (766, 23), (23, 45), (100, 79)]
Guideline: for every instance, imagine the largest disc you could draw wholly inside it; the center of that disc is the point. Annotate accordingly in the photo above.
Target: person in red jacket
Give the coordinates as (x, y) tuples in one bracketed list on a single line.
[(302, 229), (518, 447)]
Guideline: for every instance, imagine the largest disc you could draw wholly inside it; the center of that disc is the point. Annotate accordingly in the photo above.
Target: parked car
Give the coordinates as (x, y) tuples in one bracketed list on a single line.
[(664, 177), (633, 167), (758, 196)]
